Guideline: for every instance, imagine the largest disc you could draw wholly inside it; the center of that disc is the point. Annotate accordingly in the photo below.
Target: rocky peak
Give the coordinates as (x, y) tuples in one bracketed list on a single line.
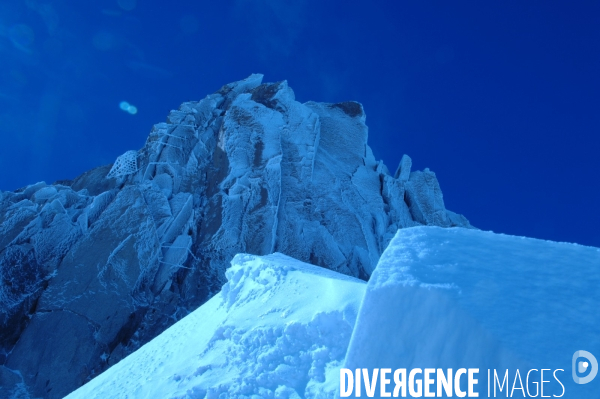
[(91, 269)]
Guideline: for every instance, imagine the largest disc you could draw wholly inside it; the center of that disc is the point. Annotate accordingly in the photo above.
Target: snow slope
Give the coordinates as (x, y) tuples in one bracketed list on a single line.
[(452, 298), (439, 298), (279, 328)]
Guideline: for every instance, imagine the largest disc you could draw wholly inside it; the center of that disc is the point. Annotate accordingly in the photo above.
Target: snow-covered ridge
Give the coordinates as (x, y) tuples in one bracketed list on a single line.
[(278, 328), (439, 298)]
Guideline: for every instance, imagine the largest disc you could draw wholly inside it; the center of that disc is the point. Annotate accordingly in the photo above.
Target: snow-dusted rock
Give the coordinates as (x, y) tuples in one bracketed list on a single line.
[(101, 264)]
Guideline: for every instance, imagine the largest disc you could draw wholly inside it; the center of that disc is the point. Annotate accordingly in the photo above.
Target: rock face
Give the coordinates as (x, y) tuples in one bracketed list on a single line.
[(91, 269)]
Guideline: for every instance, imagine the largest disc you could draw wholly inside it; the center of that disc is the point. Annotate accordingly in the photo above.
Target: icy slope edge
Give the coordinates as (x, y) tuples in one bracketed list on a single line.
[(278, 328)]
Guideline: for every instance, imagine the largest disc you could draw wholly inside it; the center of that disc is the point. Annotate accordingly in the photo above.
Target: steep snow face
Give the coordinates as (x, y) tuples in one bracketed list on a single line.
[(278, 328), (458, 298), (104, 263)]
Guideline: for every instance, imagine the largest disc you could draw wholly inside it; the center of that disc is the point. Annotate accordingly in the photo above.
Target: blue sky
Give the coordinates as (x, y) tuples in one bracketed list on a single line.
[(500, 99)]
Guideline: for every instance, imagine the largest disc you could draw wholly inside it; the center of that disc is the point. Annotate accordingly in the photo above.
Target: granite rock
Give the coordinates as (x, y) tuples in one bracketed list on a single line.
[(93, 268)]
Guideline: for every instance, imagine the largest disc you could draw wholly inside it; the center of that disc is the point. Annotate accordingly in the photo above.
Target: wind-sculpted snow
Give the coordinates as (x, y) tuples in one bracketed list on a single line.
[(99, 265), (279, 328), (458, 298)]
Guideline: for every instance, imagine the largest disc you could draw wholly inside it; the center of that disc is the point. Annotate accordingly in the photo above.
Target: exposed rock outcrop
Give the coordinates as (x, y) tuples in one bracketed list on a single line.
[(93, 268)]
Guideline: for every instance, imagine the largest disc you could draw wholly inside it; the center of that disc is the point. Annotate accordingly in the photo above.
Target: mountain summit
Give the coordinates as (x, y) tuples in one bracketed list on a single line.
[(93, 268)]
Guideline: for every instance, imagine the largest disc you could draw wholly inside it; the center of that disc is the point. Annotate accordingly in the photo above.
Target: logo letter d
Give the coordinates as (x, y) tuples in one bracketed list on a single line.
[(593, 362)]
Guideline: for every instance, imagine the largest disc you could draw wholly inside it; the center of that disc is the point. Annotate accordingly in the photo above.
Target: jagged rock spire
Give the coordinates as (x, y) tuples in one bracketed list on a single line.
[(92, 268)]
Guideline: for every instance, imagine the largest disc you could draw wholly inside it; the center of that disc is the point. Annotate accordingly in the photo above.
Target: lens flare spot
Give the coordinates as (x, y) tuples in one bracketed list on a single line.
[(130, 109)]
